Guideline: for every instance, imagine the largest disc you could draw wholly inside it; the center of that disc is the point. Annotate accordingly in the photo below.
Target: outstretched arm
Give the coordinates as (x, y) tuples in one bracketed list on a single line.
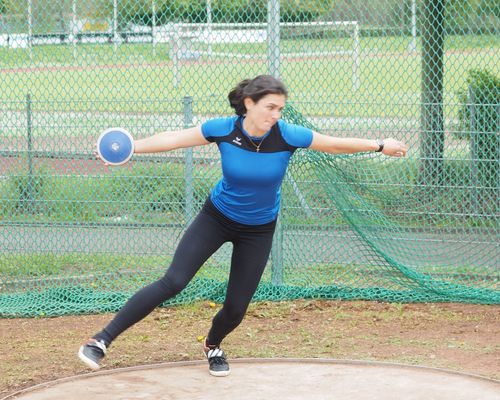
[(330, 144), (166, 141)]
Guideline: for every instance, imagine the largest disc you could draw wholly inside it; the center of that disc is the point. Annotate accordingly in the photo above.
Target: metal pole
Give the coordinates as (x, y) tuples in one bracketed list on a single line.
[(273, 37), (355, 66), (209, 27), (188, 162), (300, 196), (277, 256), (153, 26), (74, 29), (115, 24), (273, 41), (174, 56), (473, 151), (29, 127), (413, 44), (30, 28)]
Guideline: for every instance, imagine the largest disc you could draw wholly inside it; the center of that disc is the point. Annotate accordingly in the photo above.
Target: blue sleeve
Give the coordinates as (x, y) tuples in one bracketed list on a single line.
[(296, 135), (217, 127)]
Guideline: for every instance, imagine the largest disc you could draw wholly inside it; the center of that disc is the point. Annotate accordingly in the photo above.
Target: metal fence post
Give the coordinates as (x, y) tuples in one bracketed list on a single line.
[(174, 50), (30, 29), (273, 42), (29, 132), (153, 27), (277, 255), (473, 151), (273, 37), (188, 161), (74, 29)]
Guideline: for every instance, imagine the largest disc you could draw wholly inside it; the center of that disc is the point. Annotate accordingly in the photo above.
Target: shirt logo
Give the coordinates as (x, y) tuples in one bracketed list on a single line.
[(237, 141)]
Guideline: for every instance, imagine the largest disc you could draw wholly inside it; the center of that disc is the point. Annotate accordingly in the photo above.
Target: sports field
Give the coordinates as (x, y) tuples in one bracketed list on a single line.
[(131, 79), (374, 258)]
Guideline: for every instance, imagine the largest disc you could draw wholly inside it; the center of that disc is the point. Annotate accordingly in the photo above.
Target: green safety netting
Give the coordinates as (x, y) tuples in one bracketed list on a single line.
[(79, 237)]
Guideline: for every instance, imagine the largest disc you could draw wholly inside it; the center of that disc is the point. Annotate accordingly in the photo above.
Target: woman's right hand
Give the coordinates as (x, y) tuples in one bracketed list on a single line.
[(96, 155)]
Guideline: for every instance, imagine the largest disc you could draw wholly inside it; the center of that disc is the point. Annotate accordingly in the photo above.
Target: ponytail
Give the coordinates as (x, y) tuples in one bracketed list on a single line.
[(256, 88), (236, 97)]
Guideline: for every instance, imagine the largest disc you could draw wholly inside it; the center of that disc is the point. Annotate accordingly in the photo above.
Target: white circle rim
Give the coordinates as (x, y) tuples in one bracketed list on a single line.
[(127, 133)]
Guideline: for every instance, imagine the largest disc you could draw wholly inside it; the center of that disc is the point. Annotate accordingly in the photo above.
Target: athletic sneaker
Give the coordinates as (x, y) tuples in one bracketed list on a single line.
[(217, 363), (92, 352)]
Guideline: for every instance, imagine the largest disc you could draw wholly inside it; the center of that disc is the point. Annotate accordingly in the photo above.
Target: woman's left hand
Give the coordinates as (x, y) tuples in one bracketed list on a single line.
[(394, 148)]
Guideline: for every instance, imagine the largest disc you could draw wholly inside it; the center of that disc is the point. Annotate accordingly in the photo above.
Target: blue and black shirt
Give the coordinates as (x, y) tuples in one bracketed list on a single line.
[(249, 191)]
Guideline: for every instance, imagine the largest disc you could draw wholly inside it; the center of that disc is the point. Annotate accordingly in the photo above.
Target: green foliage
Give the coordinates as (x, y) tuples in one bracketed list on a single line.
[(302, 11), (472, 16), (485, 88), (223, 11), (239, 11), (149, 194), (20, 192), (479, 122), (379, 17), (141, 12)]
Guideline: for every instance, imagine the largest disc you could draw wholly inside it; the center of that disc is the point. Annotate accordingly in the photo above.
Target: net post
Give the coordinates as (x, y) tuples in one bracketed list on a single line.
[(209, 27), (30, 29), (29, 133), (355, 64), (153, 27), (277, 255), (115, 26), (413, 43), (188, 161), (174, 54), (473, 150), (74, 29), (273, 37), (300, 196), (273, 40)]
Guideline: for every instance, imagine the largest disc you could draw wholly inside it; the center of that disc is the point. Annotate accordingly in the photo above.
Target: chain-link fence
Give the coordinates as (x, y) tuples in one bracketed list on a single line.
[(76, 236)]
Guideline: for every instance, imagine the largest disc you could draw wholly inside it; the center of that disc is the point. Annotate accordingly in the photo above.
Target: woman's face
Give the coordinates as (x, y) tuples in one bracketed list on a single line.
[(264, 113)]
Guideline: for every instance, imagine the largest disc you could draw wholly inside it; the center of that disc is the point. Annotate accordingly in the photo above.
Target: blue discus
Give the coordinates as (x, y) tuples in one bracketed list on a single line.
[(115, 146)]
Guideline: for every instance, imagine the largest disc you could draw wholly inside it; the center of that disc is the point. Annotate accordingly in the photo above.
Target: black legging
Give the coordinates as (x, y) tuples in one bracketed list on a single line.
[(208, 232)]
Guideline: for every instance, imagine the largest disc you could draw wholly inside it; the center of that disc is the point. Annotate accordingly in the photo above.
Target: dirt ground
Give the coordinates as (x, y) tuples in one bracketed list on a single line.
[(459, 337)]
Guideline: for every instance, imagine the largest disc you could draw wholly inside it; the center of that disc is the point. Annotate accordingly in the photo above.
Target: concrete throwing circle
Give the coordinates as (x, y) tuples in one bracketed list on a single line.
[(274, 379)]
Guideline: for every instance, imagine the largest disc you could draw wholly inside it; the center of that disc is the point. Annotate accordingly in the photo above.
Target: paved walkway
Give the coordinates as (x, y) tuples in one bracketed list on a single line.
[(274, 379)]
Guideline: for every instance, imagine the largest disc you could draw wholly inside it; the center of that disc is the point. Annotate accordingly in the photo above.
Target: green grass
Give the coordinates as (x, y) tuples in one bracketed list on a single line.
[(156, 194), (41, 266), (133, 80), (148, 194), (100, 270), (104, 54)]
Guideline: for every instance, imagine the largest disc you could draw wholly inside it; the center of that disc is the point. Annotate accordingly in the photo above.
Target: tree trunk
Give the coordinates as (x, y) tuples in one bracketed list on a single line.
[(432, 135)]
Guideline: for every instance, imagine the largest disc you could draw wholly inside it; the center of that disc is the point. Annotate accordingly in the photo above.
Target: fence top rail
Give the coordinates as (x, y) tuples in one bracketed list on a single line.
[(260, 24)]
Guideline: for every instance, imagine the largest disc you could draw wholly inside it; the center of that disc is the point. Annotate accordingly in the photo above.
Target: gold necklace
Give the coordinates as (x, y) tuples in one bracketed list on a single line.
[(257, 146)]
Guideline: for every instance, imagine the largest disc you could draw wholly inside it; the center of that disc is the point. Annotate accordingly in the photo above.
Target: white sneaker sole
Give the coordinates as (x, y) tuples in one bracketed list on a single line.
[(219, 373), (87, 361)]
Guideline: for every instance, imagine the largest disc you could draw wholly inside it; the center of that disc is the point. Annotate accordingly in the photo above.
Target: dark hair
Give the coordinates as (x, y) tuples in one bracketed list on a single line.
[(256, 89)]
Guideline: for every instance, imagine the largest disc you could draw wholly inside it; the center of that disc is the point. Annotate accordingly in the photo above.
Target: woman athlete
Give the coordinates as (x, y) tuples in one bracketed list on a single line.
[(255, 147)]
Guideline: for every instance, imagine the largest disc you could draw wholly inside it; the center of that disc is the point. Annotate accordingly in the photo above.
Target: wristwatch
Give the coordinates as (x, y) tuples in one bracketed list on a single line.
[(380, 143)]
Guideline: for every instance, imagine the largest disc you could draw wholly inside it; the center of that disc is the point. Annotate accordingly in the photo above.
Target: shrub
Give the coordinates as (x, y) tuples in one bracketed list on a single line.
[(234, 11), (479, 122)]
